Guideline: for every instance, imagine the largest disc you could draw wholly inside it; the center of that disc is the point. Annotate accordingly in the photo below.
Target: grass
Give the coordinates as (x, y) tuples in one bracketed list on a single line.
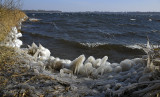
[(8, 19), (7, 56)]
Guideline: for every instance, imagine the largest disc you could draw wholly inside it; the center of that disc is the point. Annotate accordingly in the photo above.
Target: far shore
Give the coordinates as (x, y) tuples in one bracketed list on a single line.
[(106, 12)]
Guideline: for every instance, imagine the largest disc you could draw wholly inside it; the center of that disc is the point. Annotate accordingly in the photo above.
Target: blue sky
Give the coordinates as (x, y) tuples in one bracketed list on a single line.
[(93, 5)]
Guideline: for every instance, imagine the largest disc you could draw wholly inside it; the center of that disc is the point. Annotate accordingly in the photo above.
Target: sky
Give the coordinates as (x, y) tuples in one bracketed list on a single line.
[(93, 5)]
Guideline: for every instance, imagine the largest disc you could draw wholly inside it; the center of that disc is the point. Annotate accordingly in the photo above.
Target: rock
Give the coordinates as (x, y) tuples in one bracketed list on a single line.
[(126, 64), (118, 69)]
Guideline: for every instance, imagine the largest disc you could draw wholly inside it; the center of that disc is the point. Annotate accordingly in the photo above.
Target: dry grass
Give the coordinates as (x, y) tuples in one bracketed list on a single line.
[(8, 19), (7, 57), (7, 60)]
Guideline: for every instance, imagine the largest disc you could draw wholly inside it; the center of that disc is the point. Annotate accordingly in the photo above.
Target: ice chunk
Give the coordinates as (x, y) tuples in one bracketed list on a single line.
[(126, 64), (115, 65), (138, 61), (90, 59), (14, 29), (18, 35), (44, 53), (104, 69), (88, 68), (103, 61), (77, 63), (18, 43), (118, 69), (97, 63)]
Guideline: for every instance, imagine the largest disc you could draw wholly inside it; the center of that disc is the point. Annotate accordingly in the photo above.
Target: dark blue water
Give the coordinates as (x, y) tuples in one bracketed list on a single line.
[(67, 35)]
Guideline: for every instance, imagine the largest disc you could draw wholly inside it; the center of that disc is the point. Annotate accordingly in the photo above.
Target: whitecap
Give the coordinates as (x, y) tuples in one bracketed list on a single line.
[(34, 19), (132, 19), (92, 45)]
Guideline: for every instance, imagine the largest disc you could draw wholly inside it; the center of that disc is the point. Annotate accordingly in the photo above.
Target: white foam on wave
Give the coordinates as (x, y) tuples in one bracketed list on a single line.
[(135, 46), (34, 19), (150, 20), (132, 19), (92, 45)]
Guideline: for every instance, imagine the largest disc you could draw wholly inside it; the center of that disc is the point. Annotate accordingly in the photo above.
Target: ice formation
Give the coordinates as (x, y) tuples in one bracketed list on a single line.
[(39, 52), (113, 77), (12, 39), (77, 64), (90, 67)]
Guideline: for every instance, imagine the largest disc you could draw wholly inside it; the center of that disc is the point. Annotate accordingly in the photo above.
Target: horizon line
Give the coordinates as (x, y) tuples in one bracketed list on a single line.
[(84, 11)]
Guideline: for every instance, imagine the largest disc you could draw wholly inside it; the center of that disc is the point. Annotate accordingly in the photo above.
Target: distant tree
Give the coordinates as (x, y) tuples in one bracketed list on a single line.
[(11, 4)]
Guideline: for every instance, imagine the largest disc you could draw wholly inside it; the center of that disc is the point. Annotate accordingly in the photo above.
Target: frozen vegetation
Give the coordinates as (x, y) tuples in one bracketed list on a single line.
[(48, 76)]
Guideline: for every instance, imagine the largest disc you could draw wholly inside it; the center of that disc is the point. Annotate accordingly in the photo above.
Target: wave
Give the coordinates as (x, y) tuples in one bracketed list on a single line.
[(124, 34), (92, 45), (38, 35), (133, 25), (109, 46), (104, 46), (136, 46)]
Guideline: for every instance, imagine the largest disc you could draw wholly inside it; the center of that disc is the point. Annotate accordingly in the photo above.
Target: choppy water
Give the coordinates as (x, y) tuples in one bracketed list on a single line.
[(68, 35)]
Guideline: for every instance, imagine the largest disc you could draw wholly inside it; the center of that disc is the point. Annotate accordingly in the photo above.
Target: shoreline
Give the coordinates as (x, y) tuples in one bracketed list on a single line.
[(82, 76)]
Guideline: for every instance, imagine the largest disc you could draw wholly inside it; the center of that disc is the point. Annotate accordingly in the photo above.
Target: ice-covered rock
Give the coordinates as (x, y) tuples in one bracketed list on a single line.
[(126, 64), (138, 61), (64, 72), (118, 69), (115, 65)]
